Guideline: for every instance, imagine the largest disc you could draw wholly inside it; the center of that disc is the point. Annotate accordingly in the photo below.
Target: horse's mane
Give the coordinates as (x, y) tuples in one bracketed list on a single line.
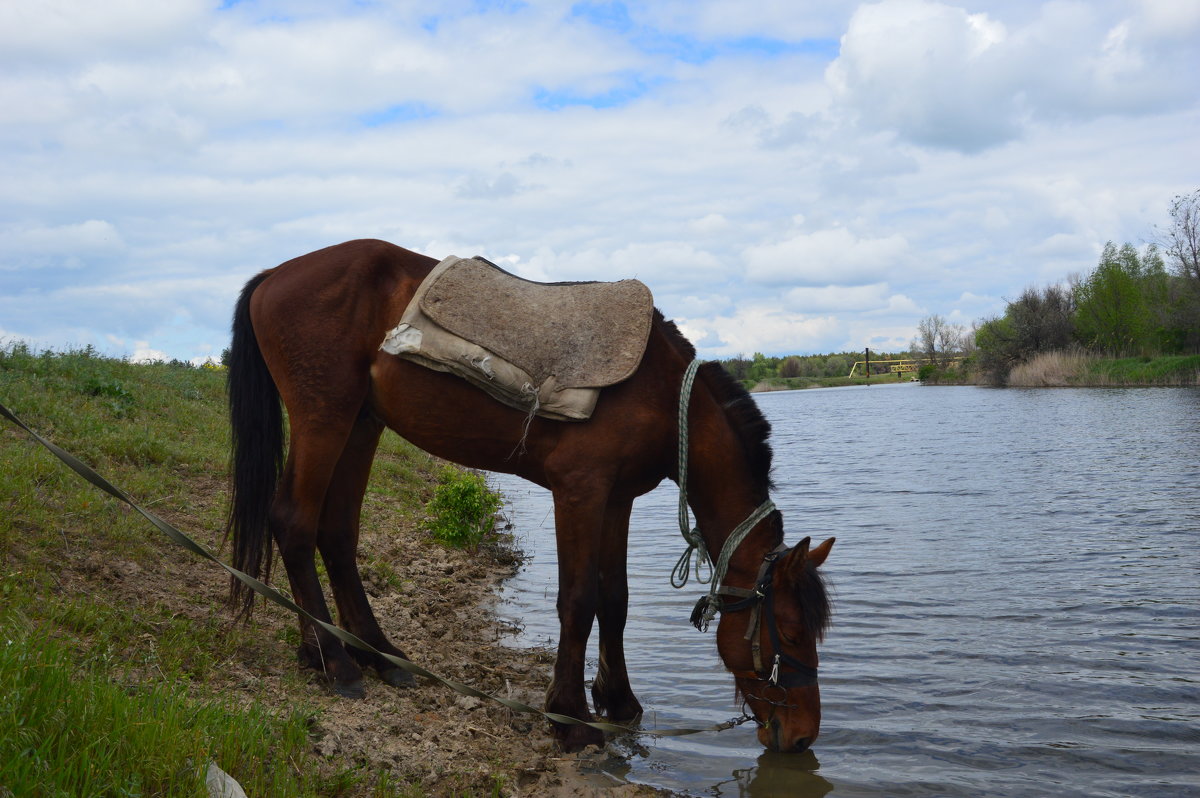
[(749, 424)]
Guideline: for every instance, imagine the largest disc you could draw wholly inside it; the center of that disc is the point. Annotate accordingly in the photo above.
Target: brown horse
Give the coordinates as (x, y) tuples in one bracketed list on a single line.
[(308, 332)]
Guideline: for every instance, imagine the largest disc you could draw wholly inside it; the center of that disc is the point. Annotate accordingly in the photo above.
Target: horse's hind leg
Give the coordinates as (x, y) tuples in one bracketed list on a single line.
[(293, 520), (337, 540), (611, 693)]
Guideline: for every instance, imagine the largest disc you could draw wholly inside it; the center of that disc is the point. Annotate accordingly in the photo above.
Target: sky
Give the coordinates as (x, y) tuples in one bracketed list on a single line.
[(786, 177)]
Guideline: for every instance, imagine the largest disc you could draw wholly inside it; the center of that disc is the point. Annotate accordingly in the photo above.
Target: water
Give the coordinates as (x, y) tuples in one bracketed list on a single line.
[(1017, 594)]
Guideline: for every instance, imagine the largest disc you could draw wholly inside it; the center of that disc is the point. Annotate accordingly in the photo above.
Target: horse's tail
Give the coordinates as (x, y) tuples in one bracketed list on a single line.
[(256, 427)]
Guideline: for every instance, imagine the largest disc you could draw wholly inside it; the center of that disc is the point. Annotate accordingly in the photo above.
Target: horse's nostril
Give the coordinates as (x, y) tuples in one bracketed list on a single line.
[(800, 745)]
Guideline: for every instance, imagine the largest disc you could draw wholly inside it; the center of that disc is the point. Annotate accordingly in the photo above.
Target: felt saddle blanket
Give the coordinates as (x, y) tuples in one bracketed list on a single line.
[(546, 348)]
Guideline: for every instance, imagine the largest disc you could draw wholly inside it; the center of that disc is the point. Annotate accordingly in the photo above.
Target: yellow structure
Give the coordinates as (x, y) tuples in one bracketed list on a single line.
[(896, 366)]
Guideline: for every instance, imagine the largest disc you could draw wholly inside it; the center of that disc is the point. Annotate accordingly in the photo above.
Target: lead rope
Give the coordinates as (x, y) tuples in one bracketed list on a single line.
[(710, 604), (679, 576)]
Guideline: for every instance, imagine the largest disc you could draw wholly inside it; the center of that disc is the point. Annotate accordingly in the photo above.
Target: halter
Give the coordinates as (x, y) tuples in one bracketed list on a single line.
[(760, 600)]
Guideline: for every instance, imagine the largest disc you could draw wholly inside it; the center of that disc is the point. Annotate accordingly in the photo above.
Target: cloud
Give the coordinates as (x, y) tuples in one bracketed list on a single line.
[(763, 328), (825, 257), (69, 246), (839, 298), (939, 76)]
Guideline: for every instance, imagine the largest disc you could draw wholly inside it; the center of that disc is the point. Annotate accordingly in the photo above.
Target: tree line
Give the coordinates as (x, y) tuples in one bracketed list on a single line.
[(761, 368)]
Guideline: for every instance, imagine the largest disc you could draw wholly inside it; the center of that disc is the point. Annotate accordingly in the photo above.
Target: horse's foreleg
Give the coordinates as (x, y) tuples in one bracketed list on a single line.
[(293, 520), (578, 522), (337, 540), (611, 693)]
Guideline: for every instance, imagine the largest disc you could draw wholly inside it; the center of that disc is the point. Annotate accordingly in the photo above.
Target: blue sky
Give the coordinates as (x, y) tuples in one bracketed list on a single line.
[(787, 178)]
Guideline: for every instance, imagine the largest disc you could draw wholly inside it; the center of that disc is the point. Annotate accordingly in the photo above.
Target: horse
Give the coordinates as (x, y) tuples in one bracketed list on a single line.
[(307, 334)]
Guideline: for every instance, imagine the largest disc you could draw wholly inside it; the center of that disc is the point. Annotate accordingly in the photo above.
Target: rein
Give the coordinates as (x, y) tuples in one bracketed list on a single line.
[(760, 600)]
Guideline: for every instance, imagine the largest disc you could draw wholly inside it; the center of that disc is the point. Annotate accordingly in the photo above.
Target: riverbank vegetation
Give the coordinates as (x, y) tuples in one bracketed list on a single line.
[(1134, 319), (763, 373), (123, 673)]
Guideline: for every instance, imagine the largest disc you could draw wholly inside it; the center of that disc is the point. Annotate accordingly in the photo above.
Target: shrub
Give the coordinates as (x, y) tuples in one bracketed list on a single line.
[(463, 509)]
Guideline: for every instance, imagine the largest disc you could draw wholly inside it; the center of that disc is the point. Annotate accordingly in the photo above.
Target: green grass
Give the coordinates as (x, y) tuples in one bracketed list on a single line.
[(1077, 368), (105, 663), (463, 509), (66, 731), (1163, 370)]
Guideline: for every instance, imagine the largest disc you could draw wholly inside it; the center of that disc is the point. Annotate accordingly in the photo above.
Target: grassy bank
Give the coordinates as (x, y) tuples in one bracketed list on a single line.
[(1080, 369), (121, 670)]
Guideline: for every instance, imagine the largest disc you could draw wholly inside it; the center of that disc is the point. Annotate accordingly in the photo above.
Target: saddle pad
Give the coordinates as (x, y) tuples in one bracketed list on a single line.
[(542, 347)]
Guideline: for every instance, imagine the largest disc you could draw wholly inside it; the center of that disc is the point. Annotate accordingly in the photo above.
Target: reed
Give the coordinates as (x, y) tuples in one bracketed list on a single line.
[(1051, 369)]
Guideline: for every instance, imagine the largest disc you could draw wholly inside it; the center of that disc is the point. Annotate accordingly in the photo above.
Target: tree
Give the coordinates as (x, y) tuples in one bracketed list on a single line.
[(1181, 240), (1042, 320), (937, 339), (1115, 304), (791, 366)]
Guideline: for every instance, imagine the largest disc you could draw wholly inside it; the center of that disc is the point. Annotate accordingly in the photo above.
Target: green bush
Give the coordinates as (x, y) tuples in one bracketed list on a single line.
[(463, 509)]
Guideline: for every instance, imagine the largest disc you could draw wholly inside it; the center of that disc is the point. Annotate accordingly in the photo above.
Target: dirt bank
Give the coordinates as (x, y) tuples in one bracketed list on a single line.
[(433, 602)]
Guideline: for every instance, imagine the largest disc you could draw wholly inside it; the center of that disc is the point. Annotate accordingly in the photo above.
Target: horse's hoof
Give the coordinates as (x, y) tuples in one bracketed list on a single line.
[(354, 689), (625, 712), (398, 677), (576, 738)]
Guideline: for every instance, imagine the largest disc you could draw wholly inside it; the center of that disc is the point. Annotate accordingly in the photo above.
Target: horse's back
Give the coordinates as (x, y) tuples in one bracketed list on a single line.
[(345, 295)]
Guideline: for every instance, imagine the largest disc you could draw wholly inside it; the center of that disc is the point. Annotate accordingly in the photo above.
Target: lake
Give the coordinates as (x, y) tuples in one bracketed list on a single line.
[(1017, 598)]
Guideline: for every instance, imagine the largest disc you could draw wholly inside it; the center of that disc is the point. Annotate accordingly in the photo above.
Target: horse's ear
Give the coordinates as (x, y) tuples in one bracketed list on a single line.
[(802, 556), (818, 555), (794, 562)]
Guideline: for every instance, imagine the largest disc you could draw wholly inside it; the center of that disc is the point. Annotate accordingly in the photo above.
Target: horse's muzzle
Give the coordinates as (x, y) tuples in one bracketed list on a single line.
[(773, 738)]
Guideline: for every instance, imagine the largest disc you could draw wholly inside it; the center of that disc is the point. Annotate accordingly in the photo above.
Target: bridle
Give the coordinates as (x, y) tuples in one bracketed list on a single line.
[(761, 603)]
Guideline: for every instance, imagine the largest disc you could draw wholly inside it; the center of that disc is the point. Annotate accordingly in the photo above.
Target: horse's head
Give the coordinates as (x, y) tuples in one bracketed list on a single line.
[(769, 642)]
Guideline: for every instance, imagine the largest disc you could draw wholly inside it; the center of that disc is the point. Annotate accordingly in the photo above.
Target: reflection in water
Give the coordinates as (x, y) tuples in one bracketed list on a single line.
[(778, 776)]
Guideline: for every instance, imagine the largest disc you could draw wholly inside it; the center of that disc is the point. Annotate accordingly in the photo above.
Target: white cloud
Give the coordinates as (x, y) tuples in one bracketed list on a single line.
[(823, 257), (142, 353), (763, 328), (68, 245), (942, 77)]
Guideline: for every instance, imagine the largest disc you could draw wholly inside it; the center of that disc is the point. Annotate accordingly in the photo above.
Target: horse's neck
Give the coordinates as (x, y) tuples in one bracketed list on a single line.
[(722, 491)]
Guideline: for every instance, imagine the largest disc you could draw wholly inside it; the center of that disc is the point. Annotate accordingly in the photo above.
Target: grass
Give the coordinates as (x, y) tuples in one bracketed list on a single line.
[(1164, 370), (67, 730), (109, 656)]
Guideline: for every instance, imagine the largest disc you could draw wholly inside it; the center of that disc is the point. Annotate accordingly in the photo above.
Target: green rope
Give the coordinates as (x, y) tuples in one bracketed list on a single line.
[(680, 575), (695, 541)]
